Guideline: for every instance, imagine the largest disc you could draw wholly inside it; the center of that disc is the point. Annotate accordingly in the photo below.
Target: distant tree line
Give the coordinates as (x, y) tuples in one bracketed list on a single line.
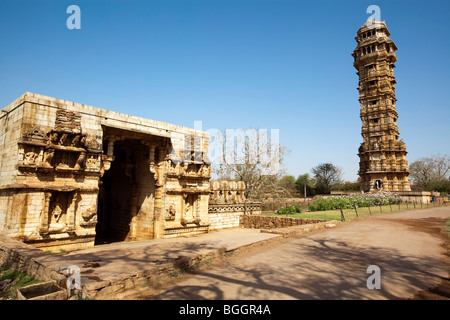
[(325, 178), (431, 174)]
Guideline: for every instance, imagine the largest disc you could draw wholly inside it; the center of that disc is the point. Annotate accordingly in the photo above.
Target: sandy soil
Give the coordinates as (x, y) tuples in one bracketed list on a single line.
[(409, 247)]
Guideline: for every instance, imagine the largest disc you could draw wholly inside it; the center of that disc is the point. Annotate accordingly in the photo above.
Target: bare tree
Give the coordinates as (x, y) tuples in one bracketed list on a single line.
[(249, 156), (442, 167), (430, 169)]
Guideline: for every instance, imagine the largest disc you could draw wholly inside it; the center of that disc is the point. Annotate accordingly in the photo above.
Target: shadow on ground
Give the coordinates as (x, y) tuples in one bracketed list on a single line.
[(332, 270)]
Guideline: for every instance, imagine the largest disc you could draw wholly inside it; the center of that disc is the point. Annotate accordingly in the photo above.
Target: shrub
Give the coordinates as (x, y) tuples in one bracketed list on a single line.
[(290, 210), (358, 200)]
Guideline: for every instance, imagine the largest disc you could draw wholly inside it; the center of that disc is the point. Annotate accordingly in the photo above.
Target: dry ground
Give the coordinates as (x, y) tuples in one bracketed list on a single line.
[(409, 247)]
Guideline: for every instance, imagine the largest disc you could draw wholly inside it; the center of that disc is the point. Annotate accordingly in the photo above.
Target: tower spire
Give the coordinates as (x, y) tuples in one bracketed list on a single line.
[(382, 156)]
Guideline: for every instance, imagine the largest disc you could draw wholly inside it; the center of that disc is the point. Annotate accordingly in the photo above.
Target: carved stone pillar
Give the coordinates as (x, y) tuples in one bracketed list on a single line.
[(152, 163), (159, 191), (45, 213), (108, 158), (71, 212), (110, 150)]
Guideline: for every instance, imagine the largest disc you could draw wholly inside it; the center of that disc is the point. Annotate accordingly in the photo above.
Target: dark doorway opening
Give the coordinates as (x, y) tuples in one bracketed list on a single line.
[(378, 184), (117, 192)]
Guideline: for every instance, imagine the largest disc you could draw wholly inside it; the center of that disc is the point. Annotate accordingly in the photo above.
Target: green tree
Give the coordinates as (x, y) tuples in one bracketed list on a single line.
[(326, 175), (347, 186), (304, 185), (287, 185), (288, 182)]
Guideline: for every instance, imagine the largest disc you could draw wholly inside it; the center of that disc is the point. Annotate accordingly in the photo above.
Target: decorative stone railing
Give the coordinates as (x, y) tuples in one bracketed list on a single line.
[(227, 204)]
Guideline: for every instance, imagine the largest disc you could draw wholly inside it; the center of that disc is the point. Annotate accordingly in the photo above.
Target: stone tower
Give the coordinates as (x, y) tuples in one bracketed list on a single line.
[(382, 155)]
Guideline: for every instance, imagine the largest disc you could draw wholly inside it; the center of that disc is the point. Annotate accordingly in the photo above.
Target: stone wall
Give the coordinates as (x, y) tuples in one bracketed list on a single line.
[(227, 204), (265, 222), (417, 196), (224, 220), (70, 170), (17, 255)]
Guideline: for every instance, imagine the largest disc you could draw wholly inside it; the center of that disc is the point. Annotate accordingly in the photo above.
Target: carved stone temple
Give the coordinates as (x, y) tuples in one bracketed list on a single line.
[(382, 155), (73, 175)]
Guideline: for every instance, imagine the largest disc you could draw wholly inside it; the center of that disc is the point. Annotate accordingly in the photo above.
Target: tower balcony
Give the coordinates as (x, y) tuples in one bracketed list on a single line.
[(363, 59), (375, 74), (373, 110), (391, 146), (380, 127)]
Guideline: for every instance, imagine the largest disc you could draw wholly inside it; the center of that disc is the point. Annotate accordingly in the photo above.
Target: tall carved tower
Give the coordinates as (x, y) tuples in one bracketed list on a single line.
[(382, 156)]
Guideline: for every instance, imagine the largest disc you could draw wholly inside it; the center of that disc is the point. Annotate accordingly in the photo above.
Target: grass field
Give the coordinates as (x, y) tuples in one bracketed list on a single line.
[(21, 280), (350, 214)]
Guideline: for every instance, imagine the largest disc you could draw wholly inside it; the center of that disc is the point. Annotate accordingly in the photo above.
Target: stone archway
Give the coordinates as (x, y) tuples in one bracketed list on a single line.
[(122, 191), (129, 203)]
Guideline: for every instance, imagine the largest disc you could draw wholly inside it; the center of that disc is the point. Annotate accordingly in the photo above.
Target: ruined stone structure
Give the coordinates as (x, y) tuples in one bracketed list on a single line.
[(383, 164), (227, 204), (73, 175)]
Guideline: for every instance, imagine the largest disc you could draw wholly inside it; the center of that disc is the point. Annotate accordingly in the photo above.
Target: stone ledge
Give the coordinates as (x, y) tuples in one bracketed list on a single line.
[(17, 255), (270, 222), (301, 229)]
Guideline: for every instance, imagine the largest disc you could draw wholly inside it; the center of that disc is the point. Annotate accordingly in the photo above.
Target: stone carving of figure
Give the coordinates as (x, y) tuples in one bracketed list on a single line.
[(64, 139), (57, 212), (184, 168), (80, 160), (91, 162), (232, 191), (106, 164), (90, 142), (89, 214), (224, 189), (215, 189), (53, 138), (48, 157), (187, 209), (206, 170), (241, 191), (30, 158), (76, 140), (170, 213)]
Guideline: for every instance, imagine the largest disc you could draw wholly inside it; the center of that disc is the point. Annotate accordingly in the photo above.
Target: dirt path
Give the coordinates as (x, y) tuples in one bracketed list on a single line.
[(408, 247)]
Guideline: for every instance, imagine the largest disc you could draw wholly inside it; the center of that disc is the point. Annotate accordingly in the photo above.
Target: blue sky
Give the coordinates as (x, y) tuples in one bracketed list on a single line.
[(264, 64)]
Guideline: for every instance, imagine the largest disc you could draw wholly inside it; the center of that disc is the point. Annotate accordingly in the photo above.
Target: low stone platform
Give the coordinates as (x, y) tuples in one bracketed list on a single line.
[(301, 229), (119, 266), (113, 268)]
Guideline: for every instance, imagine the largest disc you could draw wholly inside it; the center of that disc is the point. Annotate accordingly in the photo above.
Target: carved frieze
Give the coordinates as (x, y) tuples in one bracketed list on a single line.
[(227, 192), (59, 151), (188, 169), (89, 217), (170, 213)]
